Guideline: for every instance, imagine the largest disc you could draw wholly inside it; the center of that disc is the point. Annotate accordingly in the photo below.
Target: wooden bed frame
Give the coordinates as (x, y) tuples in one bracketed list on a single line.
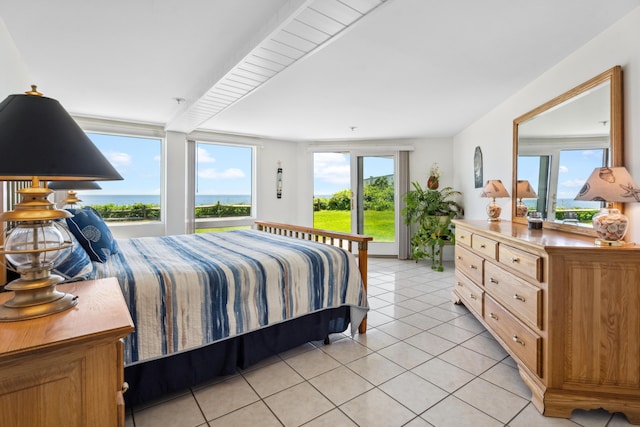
[(343, 240), (157, 377)]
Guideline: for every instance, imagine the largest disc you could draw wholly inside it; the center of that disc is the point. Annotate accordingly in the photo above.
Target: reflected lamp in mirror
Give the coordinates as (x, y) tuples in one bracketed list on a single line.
[(524, 190), (610, 185), (494, 189), (37, 140), (71, 187)]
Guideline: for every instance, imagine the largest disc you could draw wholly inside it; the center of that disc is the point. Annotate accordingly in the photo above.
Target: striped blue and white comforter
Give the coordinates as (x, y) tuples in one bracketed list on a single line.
[(187, 291)]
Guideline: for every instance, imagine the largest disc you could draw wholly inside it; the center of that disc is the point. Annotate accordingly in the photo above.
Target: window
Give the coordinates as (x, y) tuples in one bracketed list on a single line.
[(223, 186), (137, 196)]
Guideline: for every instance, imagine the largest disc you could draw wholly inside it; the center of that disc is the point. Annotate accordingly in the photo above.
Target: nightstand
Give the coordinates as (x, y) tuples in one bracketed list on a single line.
[(67, 369)]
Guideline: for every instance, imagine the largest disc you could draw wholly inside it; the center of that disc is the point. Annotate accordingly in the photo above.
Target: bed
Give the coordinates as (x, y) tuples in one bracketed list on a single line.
[(207, 304)]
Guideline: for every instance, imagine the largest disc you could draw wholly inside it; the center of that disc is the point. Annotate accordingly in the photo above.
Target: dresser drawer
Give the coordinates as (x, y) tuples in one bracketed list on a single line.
[(521, 298), (472, 295), (485, 246), (463, 237), (524, 262), (525, 343), (470, 264)]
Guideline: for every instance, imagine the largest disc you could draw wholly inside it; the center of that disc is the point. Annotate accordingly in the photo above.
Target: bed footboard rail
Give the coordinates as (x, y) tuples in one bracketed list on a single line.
[(336, 238)]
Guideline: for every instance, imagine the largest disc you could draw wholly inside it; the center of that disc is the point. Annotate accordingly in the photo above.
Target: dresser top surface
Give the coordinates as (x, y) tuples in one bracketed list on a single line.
[(101, 311), (544, 238)]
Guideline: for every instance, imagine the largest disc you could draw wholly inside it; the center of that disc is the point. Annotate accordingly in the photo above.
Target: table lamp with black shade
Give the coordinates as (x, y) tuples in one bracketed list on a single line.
[(37, 140), (71, 187)]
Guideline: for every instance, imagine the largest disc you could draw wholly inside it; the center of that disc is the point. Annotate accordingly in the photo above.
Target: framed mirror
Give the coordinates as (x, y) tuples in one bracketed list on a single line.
[(557, 145)]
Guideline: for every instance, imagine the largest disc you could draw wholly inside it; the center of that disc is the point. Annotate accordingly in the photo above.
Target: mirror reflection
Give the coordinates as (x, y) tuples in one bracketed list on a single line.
[(557, 146)]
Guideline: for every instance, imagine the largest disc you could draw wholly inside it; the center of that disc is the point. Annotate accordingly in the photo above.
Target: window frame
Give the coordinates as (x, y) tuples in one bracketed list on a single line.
[(133, 130), (193, 224)]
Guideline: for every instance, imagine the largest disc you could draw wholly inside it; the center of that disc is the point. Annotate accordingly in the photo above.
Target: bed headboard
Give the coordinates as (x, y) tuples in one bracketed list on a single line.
[(343, 240)]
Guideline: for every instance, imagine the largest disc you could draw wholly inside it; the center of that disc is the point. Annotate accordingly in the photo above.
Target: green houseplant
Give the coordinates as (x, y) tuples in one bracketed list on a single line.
[(430, 211)]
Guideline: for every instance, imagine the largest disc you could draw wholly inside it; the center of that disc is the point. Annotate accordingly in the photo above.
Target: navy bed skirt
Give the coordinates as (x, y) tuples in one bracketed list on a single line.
[(150, 380)]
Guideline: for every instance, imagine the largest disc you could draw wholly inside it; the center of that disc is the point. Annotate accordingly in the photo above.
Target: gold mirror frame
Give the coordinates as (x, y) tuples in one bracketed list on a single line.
[(616, 158)]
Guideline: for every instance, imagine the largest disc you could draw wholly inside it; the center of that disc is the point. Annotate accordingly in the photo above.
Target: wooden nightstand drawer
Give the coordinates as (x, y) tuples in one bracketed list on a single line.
[(524, 262), (67, 369), (525, 343), (520, 297), (463, 237), (472, 295), (486, 247), (470, 264)]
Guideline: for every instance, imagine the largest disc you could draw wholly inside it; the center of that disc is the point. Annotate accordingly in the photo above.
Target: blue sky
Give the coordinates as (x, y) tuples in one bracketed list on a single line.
[(222, 169), (332, 171), (136, 159)]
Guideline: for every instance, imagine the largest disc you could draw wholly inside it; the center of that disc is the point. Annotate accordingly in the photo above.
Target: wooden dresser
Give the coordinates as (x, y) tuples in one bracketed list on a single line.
[(67, 369), (568, 312)]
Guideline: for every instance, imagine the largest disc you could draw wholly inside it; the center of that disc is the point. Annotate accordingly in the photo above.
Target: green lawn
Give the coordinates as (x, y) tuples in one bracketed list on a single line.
[(378, 224)]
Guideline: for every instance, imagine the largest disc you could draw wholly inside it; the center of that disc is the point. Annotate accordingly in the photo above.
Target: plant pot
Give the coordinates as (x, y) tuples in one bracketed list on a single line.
[(433, 183)]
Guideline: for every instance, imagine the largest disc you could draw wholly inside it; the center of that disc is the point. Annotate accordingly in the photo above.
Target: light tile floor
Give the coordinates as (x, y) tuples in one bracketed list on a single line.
[(423, 362)]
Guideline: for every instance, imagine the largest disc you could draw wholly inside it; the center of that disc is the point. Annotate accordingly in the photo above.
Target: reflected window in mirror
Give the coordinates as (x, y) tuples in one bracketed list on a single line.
[(556, 175), (535, 169), (574, 166)]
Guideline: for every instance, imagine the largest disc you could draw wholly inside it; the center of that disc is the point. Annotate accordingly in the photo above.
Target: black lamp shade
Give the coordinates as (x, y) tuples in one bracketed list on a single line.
[(74, 185), (38, 138)]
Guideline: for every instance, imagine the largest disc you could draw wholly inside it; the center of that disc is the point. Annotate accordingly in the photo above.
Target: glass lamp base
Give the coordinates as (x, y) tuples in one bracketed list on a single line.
[(493, 211), (521, 210), (610, 225)]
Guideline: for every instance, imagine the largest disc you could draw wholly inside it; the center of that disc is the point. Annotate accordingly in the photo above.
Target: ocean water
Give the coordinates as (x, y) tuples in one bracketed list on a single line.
[(567, 204), (147, 199)]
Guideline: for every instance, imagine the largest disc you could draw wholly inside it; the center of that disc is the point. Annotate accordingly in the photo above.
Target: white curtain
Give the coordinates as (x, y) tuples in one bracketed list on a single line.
[(404, 244)]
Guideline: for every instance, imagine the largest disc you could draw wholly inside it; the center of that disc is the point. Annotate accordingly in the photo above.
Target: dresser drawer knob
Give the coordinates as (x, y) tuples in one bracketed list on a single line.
[(125, 387), (514, 260), (483, 246), (492, 280), (518, 297), (473, 267), (459, 284), (458, 257), (472, 296), (493, 316), (517, 340)]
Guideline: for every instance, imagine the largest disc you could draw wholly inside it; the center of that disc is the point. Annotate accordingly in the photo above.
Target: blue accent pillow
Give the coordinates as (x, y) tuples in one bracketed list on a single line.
[(93, 234), (77, 266)]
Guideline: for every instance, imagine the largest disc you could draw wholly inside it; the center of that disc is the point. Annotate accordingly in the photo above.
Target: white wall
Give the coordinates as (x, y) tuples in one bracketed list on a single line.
[(14, 77), (270, 208), (618, 45)]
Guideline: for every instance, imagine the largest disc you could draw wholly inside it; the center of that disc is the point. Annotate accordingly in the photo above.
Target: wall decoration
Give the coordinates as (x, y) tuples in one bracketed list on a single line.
[(477, 167), (279, 181)]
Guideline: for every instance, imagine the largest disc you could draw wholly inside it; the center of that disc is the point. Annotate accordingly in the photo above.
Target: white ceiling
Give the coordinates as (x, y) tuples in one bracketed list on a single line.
[(408, 68)]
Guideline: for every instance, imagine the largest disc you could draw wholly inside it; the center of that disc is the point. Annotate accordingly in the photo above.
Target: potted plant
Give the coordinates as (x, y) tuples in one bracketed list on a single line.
[(431, 211)]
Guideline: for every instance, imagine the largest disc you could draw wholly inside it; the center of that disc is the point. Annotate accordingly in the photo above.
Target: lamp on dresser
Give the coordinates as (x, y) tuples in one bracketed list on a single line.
[(524, 190), (37, 140), (494, 189), (609, 185)]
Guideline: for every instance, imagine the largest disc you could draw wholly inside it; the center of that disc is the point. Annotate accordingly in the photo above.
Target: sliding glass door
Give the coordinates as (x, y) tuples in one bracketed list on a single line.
[(356, 192)]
